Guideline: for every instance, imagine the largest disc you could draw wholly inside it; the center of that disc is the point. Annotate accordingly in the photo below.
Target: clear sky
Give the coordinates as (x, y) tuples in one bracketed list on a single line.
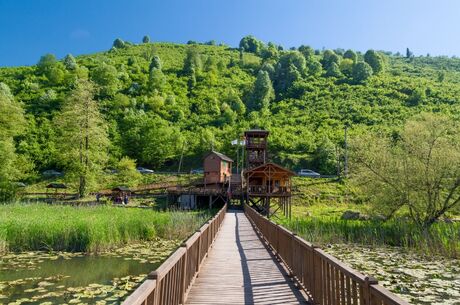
[(31, 28)]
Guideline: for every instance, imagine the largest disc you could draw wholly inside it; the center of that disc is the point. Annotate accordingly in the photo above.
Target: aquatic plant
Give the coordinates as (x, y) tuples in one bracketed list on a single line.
[(441, 238), (89, 229)]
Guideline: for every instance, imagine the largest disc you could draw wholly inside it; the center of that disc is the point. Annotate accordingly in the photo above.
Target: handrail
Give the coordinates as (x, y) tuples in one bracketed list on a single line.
[(171, 281), (325, 279)]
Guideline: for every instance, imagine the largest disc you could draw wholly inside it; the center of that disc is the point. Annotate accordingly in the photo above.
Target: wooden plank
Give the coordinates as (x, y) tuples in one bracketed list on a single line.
[(240, 270)]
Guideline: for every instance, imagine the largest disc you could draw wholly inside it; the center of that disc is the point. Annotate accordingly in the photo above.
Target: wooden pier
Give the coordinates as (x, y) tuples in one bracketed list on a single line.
[(241, 270), (244, 258)]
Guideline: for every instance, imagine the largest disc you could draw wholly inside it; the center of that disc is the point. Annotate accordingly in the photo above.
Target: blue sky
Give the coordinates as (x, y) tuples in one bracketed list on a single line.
[(31, 28)]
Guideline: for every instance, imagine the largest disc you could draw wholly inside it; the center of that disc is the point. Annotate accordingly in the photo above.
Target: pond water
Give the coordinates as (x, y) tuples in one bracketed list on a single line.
[(76, 278), (414, 277)]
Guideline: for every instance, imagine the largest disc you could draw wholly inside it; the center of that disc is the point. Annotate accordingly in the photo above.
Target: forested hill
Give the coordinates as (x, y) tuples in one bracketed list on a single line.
[(158, 99)]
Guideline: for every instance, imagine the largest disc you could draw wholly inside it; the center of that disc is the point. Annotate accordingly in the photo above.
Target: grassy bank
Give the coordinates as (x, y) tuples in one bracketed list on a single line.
[(88, 229), (442, 238)]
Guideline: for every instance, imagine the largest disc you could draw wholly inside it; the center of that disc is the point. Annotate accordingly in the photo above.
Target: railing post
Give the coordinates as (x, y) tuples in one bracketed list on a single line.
[(198, 265), (184, 274), (291, 268), (317, 276), (368, 281), (154, 275)]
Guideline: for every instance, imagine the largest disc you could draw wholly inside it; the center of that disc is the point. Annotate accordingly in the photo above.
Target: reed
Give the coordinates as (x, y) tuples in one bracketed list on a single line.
[(441, 238), (26, 227)]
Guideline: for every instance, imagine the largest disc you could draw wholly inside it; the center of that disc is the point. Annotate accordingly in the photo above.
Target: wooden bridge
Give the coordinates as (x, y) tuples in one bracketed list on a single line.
[(244, 258)]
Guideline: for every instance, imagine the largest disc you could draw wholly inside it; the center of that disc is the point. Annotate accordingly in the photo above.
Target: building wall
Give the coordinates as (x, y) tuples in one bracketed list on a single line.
[(216, 170)]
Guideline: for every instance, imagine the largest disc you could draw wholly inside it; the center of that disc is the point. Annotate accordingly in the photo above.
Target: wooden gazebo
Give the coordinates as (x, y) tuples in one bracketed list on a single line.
[(266, 183)]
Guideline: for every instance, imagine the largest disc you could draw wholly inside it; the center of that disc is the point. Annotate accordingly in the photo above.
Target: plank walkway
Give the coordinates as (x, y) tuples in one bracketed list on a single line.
[(241, 270)]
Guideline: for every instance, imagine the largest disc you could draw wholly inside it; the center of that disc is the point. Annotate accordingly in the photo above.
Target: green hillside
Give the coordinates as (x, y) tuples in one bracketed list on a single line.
[(159, 99)]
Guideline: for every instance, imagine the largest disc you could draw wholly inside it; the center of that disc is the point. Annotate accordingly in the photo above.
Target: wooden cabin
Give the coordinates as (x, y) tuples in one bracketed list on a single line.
[(217, 168), (268, 179)]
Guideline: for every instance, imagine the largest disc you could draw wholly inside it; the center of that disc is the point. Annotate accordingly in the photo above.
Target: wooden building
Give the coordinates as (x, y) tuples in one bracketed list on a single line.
[(256, 147), (217, 168), (266, 184)]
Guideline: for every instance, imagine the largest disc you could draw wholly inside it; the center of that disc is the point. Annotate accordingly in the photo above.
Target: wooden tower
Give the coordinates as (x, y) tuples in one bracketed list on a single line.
[(256, 147), (267, 186)]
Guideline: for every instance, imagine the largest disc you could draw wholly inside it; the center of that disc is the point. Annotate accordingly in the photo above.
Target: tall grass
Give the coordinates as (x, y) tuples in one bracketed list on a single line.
[(442, 238), (88, 229)]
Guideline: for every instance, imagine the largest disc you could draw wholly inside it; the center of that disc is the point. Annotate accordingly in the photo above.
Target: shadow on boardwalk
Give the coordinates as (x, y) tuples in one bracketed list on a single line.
[(240, 270)]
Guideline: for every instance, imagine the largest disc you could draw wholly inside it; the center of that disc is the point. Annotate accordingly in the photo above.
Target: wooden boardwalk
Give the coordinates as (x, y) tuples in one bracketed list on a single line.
[(241, 270)]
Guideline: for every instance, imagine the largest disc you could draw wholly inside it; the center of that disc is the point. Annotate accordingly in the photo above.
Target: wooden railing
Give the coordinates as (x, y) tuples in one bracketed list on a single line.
[(326, 280), (169, 284), (262, 189)]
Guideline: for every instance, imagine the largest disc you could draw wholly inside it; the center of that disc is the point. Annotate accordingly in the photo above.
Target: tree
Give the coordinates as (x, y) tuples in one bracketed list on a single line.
[(155, 63), (350, 54), (409, 53), (417, 97), (127, 174), (82, 140), (146, 39), (12, 120), (70, 63), (119, 44), (269, 52), (329, 57), (419, 171), (375, 60), (106, 76), (346, 67), (361, 72), (262, 93), (192, 62), (314, 67), (333, 70), (251, 44), (307, 51), (45, 63), (290, 68), (157, 80), (12, 123), (55, 74)]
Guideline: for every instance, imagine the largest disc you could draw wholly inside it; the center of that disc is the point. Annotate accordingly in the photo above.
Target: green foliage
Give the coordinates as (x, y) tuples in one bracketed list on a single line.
[(346, 67), (157, 80), (106, 76), (329, 57), (146, 39), (361, 72), (192, 62), (350, 54), (118, 43), (127, 175), (333, 70), (70, 63), (375, 60), (45, 63), (251, 44), (204, 97), (262, 93), (155, 63), (82, 138), (306, 51), (95, 229), (12, 123), (441, 239), (417, 171)]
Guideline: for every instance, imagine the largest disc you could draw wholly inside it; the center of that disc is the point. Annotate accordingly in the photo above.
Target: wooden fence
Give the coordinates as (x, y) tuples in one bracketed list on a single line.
[(169, 284), (326, 280)]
